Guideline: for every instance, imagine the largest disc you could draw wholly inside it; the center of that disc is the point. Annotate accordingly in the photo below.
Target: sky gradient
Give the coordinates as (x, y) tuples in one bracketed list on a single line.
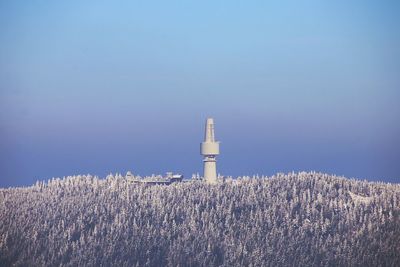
[(110, 86)]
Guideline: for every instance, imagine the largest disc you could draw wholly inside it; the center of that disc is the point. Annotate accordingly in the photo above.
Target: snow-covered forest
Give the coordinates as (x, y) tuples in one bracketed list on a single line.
[(296, 219)]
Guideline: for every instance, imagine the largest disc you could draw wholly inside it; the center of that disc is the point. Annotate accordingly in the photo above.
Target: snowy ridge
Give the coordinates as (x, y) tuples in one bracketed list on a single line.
[(302, 219)]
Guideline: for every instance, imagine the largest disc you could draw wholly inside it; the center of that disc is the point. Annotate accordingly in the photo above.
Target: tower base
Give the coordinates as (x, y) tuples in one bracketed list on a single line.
[(210, 170)]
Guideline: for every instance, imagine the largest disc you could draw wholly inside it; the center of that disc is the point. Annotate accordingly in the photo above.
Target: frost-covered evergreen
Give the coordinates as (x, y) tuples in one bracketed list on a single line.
[(304, 219)]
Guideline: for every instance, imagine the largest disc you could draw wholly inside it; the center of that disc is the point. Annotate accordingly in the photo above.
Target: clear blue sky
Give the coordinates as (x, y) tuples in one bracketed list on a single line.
[(110, 86)]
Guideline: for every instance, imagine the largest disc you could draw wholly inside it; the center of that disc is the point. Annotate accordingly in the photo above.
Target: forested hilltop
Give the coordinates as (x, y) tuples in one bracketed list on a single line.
[(296, 219)]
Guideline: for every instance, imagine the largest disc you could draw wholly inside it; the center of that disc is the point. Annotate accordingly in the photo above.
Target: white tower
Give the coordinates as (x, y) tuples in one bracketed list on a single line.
[(210, 149)]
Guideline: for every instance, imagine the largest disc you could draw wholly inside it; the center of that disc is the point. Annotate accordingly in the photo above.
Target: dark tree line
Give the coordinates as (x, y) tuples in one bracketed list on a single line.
[(304, 219)]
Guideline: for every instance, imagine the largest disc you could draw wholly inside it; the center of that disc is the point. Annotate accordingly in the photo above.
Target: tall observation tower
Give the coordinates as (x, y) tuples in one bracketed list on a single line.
[(210, 149)]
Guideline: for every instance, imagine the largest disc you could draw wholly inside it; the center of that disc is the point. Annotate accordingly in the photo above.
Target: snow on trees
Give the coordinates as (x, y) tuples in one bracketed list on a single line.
[(303, 219)]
